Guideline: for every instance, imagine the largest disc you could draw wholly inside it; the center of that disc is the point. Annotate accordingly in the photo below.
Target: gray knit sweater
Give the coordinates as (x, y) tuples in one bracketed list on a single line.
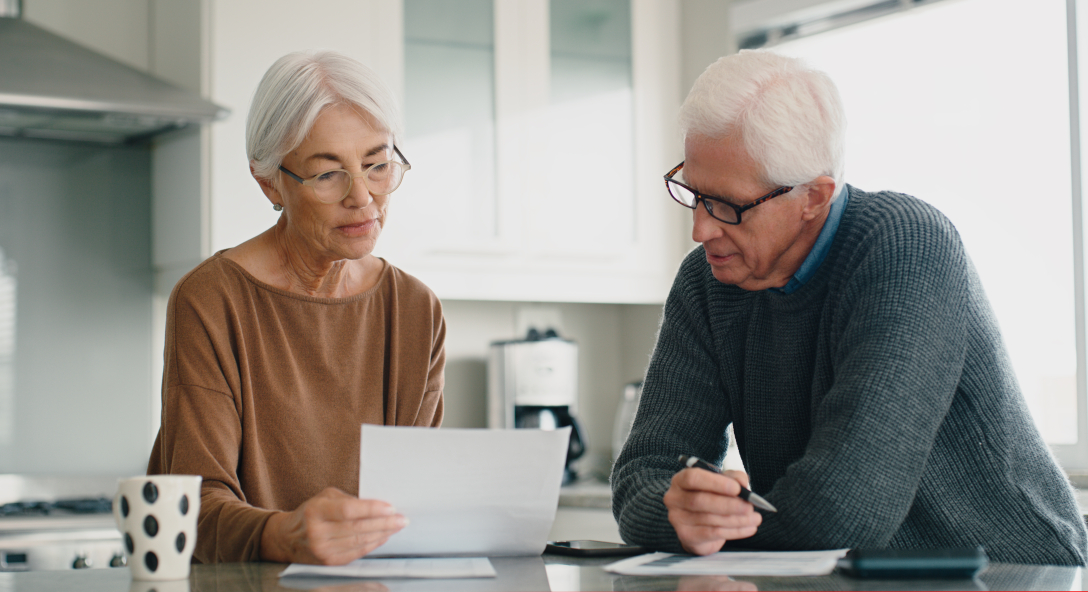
[(874, 407)]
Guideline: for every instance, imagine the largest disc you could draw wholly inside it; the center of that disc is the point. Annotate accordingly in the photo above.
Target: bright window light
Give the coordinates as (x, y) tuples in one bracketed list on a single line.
[(965, 104)]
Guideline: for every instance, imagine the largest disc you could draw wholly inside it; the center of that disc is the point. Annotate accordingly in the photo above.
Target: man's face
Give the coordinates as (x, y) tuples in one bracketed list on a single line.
[(764, 250)]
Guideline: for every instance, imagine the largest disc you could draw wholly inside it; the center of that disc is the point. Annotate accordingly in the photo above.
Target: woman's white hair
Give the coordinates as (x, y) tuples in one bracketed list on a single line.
[(292, 94), (788, 115)]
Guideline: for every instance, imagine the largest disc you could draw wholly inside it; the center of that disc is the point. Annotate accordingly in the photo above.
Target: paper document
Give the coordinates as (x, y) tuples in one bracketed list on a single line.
[(446, 567), (731, 563), (468, 492)]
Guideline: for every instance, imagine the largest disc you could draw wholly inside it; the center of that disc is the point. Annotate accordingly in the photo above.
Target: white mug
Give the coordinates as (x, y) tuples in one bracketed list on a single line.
[(156, 515)]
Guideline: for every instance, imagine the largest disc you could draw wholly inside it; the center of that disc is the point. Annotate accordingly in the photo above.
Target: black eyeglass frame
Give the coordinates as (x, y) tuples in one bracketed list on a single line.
[(351, 177), (710, 198)]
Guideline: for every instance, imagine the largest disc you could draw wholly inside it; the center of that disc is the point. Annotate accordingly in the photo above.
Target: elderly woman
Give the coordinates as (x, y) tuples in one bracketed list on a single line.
[(277, 350)]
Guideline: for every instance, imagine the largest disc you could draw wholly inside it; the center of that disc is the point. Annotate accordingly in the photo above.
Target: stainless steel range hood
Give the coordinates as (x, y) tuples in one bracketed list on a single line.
[(53, 88)]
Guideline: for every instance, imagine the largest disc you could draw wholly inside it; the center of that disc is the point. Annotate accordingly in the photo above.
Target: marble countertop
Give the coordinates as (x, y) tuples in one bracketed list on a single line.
[(586, 493), (523, 574)]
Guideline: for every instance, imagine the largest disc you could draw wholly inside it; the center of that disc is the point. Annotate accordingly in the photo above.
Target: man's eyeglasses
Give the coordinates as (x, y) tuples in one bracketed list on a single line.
[(380, 178), (717, 207)]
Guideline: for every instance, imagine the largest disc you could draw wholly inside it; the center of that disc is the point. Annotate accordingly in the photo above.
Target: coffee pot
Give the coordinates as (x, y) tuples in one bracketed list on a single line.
[(533, 383)]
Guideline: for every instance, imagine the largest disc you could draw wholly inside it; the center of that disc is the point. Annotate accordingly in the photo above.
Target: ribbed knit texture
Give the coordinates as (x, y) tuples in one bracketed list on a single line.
[(874, 407)]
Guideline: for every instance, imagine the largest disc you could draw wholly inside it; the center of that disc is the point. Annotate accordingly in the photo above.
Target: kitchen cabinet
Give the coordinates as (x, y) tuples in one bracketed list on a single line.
[(537, 150), (537, 147)]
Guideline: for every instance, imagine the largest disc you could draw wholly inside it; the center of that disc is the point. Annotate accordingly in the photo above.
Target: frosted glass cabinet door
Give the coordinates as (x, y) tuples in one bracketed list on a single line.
[(449, 79), (523, 136), (576, 137), (590, 203)]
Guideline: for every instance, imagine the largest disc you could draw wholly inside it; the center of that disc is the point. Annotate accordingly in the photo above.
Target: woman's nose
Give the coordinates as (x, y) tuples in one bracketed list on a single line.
[(704, 226), (359, 195)]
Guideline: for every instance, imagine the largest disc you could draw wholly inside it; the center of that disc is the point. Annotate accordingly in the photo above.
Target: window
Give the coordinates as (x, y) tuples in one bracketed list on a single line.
[(966, 104)]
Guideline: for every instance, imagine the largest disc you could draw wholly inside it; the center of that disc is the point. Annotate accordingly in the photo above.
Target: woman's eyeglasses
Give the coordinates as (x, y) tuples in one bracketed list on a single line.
[(380, 178)]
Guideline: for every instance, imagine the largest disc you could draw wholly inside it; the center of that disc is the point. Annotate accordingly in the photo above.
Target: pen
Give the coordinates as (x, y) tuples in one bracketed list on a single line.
[(694, 462)]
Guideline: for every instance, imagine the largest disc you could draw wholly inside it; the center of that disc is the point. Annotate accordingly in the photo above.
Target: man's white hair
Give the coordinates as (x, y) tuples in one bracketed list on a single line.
[(788, 115), (293, 93)]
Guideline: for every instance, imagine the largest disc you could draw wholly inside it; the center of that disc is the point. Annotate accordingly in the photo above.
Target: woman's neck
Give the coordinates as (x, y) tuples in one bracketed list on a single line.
[(283, 262), (303, 272)]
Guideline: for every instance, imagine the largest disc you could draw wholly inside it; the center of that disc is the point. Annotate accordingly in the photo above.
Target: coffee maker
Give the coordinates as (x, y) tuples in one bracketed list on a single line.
[(533, 383)]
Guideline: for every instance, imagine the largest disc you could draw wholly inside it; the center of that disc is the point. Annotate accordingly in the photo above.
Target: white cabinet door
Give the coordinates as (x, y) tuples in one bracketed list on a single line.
[(537, 175)]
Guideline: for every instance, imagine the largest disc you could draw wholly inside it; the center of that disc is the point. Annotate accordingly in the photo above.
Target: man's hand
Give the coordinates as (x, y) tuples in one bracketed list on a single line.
[(331, 528), (705, 511)]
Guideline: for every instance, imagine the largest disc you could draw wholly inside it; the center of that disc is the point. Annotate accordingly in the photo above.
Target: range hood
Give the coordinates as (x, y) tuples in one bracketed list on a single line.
[(55, 89)]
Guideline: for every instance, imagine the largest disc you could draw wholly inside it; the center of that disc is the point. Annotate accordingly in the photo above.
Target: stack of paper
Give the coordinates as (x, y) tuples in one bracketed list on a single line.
[(468, 492), (731, 563), (449, 567)]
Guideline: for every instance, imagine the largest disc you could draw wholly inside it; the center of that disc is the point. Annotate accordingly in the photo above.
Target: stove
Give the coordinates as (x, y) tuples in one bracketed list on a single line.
[(83, 505), (58, 523)]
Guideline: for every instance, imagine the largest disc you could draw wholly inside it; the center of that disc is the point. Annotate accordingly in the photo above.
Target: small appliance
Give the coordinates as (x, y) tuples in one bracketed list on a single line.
[(625, 416), (533, 383)]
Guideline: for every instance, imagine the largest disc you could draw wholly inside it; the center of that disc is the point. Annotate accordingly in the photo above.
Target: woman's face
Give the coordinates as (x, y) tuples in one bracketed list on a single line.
[(342, 138)]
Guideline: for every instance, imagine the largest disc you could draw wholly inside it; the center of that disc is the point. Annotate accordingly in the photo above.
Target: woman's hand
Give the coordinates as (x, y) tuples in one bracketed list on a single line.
[(705, 511), (331, 528)]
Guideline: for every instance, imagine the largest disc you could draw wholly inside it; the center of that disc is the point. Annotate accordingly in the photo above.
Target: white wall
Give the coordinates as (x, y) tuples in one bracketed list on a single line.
[(706, 36), (614, 346)]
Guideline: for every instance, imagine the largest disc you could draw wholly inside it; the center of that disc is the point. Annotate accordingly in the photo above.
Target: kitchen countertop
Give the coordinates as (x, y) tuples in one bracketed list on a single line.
[(586, 493), (528, 574)]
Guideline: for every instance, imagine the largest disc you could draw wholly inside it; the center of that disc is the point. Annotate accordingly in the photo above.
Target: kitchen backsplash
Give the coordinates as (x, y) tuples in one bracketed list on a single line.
[(75, 308)]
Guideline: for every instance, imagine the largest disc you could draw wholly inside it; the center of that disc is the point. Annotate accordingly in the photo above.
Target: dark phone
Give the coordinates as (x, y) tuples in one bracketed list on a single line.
[(913, 563), (592, 549)]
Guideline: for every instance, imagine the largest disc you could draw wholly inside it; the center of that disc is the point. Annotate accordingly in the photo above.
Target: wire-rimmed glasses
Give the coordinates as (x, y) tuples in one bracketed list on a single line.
[(690, 198), (380, 178)]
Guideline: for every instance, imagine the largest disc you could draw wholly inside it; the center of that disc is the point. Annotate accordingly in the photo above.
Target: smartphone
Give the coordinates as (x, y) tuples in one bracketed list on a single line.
[(913, 563), (592, 549)]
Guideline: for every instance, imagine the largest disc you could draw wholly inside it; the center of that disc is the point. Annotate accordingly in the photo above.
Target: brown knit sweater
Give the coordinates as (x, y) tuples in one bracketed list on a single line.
[(264, 391)]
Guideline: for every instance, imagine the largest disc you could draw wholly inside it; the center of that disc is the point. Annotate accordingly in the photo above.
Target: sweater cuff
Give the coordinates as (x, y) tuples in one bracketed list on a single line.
[(644, 520), (229, 531)]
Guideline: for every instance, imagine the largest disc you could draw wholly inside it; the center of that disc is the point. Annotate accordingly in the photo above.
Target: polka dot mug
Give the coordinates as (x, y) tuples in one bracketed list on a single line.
[(156, 515)]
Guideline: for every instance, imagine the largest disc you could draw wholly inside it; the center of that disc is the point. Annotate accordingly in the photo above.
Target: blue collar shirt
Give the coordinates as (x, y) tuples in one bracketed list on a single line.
[(821, 247)]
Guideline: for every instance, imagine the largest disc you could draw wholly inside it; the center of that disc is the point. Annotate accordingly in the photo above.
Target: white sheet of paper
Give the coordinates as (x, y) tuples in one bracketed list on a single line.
[(731, 563), (444, 567), (465, 491)]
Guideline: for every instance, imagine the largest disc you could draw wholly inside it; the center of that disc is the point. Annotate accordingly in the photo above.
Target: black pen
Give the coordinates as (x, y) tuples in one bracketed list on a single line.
[(694, 462)]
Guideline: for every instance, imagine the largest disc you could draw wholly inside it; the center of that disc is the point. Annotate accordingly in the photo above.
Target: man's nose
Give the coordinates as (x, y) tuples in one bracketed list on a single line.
[(704, 227)]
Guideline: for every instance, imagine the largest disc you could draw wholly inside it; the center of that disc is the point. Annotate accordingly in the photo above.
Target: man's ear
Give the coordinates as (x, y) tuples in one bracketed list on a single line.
[(819, 194)]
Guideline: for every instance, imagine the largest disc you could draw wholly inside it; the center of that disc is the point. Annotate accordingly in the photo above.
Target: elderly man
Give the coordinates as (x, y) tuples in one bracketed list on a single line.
[(846, 338)]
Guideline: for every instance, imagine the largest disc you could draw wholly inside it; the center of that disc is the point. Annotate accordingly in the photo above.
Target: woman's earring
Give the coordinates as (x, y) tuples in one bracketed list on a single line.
[(277, 207)]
